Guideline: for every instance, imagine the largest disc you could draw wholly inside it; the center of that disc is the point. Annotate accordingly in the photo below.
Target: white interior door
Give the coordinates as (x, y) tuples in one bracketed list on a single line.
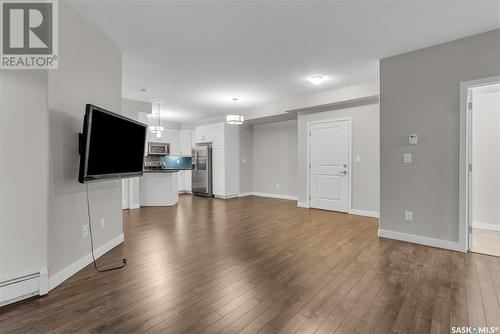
[(329, 166)]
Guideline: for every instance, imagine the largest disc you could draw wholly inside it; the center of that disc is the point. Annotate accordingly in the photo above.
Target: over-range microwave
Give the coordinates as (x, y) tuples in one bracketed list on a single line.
[(157, 148)]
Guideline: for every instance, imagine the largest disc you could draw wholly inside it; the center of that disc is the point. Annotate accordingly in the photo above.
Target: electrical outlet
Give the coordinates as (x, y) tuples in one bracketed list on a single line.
[(85, 231), (407, 158), (102, 223), (408, 216)]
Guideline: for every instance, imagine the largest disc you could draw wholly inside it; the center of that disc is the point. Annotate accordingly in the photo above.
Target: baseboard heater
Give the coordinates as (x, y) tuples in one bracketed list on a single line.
[(22, 287)]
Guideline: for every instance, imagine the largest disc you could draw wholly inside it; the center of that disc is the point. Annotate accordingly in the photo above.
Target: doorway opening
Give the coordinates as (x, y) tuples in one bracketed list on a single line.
[(482, 162)]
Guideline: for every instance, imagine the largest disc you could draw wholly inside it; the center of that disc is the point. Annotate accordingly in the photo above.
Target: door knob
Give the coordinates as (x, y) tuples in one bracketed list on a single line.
[(344, 172)]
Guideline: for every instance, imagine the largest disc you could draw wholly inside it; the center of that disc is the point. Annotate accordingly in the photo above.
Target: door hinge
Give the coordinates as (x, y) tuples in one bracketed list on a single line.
[(469, 106), (309, 165), (470, 168), (309, 133), (470, 229)]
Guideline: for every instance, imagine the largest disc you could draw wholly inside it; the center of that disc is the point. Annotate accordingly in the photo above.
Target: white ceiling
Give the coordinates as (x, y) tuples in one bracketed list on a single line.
[(199, 55)]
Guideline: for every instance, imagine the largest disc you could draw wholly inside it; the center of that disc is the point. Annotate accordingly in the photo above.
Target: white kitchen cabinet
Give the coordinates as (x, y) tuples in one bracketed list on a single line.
[(172, 136), (184, 180), (186, 145), (186, 142), (213, 133), (180, 181), (218, 170)]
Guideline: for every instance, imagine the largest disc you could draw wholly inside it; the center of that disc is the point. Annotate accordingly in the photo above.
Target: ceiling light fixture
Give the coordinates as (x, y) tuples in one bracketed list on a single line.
[(235, 118), (316, 79), (157, 129)]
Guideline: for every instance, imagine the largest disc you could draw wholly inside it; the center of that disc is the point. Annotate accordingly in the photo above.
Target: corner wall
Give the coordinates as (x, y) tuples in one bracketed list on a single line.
[(420, 94), (274, 159), (89, 72)]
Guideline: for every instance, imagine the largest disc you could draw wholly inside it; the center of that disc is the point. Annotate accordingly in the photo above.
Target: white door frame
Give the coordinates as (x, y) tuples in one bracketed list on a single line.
[(349, 152), (465, 202)]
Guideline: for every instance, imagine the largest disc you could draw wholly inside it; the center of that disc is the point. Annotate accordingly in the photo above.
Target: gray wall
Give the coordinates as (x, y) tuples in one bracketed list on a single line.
[(24, 177), (420, 93), (246, 158), (365, 144), (132, 108), (89, 72), (274, 158), (486, 159)]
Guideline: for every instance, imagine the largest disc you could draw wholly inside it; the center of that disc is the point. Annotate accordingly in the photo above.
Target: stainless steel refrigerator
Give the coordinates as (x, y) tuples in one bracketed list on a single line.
[(201, 181)]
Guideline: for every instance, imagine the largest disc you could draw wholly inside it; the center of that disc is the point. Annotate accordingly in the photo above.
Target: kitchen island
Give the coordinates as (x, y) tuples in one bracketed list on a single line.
[(158, 187)]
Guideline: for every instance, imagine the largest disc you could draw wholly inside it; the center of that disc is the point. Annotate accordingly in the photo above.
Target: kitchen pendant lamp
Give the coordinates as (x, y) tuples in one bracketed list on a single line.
[(235, 118), (157, 129)]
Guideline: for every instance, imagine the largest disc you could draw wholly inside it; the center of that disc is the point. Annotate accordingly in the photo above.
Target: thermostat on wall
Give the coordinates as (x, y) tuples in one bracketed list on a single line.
[(413, 139)]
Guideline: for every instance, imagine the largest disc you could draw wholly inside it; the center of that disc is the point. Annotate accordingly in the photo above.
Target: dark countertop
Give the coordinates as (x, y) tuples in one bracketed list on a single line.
[(160, 171)]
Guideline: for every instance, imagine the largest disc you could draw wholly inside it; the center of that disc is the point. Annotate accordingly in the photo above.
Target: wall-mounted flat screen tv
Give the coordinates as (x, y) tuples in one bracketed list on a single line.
[(111, 146)]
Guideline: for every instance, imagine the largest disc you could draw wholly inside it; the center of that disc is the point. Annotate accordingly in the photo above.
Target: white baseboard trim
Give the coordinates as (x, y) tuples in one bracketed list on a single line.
[(75, 267), (421, 240), (364, 213), (17, 289), (303, 205), (254, 193), (226, 197), (134, 206), (486, 226)]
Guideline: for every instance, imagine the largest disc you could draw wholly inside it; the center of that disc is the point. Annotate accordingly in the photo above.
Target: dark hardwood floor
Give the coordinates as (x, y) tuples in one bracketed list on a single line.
[(258, 265)]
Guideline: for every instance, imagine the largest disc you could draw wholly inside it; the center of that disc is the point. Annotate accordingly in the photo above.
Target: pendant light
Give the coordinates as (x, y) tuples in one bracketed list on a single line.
[(235, 118), (157, 129)]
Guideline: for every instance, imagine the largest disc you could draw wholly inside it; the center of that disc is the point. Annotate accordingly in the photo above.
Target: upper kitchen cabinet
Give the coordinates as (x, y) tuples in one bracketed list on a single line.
[(213, 133), (186, 141), (172, 136)]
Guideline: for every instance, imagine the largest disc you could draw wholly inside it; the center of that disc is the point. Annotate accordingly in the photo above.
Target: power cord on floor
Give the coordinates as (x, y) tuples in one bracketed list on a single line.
[(124, 261)]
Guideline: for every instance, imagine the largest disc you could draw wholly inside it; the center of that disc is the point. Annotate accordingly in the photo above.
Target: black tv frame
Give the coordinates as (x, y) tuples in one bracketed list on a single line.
[(83, 147)]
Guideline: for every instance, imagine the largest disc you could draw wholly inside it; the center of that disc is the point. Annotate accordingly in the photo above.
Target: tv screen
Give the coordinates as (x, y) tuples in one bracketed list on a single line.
[(111, 146)]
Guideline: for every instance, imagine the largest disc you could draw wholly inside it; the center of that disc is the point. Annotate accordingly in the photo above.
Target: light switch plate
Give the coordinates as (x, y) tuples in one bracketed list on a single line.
[(358, 159), (407, 158)]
